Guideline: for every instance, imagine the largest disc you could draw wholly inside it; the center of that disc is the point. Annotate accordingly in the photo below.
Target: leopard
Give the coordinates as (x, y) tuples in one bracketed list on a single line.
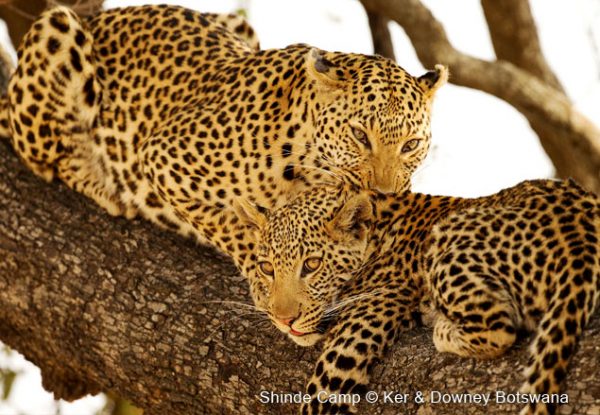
[(355, 268), (172, 115)]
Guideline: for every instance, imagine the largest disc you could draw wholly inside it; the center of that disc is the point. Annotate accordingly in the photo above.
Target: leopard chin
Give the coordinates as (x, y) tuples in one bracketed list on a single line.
[(310, 339), (306, 340)]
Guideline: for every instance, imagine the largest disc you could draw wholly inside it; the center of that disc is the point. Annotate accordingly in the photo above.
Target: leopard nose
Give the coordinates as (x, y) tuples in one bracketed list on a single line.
[(384, 183), (287, 321), (384, 188)]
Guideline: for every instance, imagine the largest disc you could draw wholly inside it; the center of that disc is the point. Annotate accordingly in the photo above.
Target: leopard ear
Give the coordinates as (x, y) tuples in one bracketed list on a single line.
[(323, 71), (433, 80), (353, 220), (250, 214)]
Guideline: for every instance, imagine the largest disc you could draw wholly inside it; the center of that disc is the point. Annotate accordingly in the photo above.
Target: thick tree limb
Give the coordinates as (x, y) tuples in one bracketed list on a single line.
[(575, 142), (380, 32), (515, 38), (106, 304)]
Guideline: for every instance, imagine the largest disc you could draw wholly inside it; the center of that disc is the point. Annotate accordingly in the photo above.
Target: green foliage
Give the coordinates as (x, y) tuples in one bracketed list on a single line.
[(7, 376), (118, 406), (7, 379)]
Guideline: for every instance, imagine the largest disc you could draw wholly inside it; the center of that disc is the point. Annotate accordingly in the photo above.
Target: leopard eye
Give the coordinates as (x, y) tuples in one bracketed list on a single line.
[(411, 145), (311, 265), (361, 136), (266, 268)]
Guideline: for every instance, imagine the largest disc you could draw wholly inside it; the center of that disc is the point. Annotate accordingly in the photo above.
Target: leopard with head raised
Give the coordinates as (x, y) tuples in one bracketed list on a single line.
[(363, 263), (174, 114)]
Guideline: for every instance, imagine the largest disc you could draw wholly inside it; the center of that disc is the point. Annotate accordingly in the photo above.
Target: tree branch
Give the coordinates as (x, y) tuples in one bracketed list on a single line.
[(576, 139), (515, 38), (106, 304), (380, 32)]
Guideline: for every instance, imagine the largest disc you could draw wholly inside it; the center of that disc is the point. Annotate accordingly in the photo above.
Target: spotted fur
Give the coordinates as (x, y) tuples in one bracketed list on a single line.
[(524, 258), (174, 115)]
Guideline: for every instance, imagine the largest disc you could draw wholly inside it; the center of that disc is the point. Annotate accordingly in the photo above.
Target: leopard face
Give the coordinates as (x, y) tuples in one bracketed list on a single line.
[(306, 252), (375, 131)]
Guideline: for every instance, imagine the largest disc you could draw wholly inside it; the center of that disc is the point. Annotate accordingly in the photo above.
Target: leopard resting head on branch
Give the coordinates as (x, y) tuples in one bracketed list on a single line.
[(364, 263)]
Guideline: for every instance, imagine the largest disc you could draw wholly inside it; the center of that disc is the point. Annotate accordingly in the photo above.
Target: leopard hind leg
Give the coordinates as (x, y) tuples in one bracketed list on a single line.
[(54, 100), (475, 315)]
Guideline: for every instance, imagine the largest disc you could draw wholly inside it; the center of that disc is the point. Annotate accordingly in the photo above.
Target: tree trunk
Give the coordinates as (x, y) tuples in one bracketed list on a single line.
[(105, 304)]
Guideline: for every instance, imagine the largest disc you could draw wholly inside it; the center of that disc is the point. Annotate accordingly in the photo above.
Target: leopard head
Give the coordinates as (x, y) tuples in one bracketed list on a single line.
[(306, 251), (374, 125)]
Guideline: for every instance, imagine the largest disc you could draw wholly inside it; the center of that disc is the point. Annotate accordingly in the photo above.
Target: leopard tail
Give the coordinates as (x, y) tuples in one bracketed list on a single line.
[(558, 333)]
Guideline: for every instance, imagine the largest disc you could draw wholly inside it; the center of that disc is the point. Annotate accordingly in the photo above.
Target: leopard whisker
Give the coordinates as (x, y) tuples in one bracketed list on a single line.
[(322, 170), (236, 304), (335, 169), (426, 164), (261, 318), (336, 305), (330, 310)]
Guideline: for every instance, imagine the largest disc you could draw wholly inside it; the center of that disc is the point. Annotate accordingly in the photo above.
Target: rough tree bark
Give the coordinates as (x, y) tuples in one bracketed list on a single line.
[(522, 80)]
